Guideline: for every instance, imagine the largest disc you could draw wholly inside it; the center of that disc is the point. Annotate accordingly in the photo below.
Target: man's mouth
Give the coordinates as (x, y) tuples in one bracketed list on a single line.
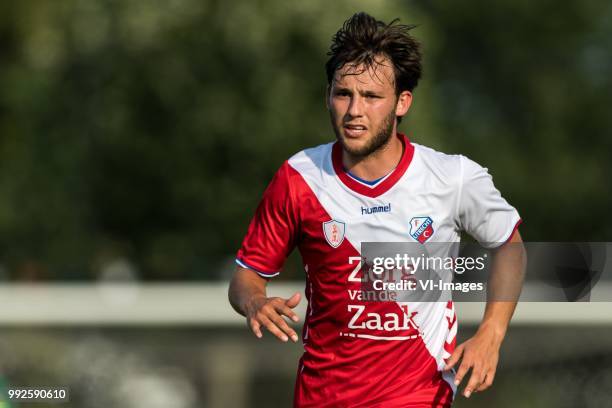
[(352, 130)]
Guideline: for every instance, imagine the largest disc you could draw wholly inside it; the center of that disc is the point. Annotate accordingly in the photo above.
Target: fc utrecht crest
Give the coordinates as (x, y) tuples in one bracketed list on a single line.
[(421, 228), (334, 232)]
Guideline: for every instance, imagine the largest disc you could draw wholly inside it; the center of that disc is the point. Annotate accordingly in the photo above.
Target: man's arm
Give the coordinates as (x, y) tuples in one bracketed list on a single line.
[(481, 352), (247, 295)]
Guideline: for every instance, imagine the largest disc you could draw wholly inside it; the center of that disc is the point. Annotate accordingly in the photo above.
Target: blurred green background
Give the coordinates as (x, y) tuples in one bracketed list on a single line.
[(146, 131)]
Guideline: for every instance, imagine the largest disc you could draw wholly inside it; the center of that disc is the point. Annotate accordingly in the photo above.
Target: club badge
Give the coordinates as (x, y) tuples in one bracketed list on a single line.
[(334, 232), (421, 228)]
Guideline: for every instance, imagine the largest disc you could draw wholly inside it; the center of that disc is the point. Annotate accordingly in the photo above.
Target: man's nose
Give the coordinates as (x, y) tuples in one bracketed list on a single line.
[(356, 106)]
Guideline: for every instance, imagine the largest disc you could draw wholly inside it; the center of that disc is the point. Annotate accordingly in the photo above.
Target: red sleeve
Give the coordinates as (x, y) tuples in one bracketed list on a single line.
[(272, 232)]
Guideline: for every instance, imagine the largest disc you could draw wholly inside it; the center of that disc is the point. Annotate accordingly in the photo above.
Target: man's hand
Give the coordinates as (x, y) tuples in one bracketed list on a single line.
[(480, 353), (247, 295), (268, 312)]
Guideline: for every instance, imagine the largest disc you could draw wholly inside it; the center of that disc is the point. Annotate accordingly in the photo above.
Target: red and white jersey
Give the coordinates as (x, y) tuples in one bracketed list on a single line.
[(360, 353)]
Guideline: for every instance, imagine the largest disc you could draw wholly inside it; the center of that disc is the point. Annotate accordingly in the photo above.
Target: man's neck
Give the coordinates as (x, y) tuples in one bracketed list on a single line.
[(378, 164)]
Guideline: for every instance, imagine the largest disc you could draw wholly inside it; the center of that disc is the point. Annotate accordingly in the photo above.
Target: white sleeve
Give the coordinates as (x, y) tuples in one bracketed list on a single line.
[(481, 210)]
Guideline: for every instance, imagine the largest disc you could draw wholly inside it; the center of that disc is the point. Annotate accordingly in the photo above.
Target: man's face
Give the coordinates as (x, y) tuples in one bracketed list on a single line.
[(363, 106)]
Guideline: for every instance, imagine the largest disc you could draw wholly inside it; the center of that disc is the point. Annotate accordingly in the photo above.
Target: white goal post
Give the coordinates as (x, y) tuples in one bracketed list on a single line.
[(206, 304)]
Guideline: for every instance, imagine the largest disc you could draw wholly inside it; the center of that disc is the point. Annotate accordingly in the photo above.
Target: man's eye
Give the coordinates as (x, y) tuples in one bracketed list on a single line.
[(342, 93)]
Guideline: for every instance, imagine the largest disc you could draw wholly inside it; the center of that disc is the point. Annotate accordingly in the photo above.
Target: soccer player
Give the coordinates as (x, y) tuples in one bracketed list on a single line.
[(373, 184)]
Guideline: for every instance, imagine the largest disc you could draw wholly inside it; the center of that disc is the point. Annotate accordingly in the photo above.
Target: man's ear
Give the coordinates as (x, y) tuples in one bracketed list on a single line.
[(404, 100), (327, 91)]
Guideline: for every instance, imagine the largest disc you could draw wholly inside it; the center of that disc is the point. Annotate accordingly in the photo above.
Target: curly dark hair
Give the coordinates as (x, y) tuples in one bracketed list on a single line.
[(363, 40)]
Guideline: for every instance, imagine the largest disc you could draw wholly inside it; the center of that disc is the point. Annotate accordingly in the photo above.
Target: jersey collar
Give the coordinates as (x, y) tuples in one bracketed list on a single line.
[(386, 184)]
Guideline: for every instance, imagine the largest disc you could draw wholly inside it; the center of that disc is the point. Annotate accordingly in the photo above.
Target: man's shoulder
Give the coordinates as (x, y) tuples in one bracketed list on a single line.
[(431, 153), (440, 163), (317, 157), (456, 168)]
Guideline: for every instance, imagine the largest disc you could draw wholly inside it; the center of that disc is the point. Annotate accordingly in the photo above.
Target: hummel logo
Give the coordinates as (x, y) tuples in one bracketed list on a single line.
[(376, 209)]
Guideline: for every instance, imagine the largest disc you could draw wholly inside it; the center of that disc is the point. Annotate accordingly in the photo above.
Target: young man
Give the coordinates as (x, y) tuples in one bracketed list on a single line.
[(370, 185)]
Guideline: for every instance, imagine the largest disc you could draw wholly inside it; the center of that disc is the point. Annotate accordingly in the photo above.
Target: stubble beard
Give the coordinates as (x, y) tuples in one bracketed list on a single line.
[(380, 139)]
